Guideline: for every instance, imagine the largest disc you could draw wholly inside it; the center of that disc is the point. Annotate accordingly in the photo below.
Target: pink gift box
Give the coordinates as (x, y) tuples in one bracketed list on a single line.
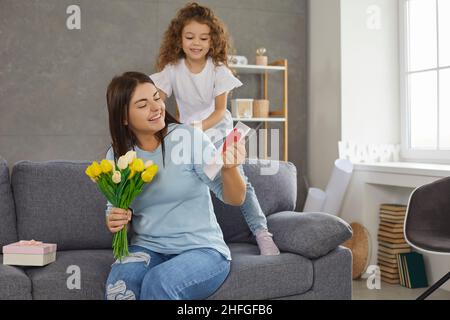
[(29, 247), (29, 253)]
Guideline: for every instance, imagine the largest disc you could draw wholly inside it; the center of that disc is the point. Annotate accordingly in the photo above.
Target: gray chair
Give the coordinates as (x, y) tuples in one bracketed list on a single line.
[(427, 225), (55, 202)]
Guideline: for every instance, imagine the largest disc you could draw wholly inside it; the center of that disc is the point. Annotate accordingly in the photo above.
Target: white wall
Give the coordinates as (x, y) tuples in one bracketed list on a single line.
[(324, 89), (370, 68), (353, 84)]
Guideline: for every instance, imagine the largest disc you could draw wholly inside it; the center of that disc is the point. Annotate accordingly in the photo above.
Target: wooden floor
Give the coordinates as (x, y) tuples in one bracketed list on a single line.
[(393, 292)]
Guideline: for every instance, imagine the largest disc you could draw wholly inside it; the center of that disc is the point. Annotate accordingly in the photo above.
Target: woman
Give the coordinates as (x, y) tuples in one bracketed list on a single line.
[(177, 251)]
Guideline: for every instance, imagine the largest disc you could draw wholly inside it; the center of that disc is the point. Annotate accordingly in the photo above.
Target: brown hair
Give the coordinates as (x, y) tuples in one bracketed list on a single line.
[(118, 98), (171, 47)]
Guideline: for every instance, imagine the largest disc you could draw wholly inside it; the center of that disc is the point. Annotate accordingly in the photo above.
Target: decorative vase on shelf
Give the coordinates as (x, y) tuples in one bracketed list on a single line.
[(261, 58)]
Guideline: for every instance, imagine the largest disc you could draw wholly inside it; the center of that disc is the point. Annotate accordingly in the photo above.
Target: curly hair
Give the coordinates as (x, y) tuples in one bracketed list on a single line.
[(171, 47)]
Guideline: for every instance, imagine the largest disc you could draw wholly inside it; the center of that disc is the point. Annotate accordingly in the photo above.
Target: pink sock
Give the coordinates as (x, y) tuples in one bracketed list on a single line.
[(265, 243)]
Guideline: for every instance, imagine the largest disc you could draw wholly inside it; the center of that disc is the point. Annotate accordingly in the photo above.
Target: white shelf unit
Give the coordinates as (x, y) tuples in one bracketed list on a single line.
[(260, 119), (278, 115), (255, 69)]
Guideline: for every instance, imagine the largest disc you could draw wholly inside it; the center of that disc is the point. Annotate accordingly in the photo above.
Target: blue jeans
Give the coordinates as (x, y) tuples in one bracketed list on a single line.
[(251, 210), (147, 275)]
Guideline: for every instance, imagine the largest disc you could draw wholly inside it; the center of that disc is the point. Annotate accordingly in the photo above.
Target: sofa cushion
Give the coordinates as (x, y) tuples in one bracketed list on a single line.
[(57, 203), (253, 276), (15, 284), (310, 234), (275, 184), (57, 280), (8, 231)]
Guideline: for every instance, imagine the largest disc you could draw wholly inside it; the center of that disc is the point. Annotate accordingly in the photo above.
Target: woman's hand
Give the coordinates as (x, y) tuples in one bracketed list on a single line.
[(117, 218), (234, 155), (234, 187)]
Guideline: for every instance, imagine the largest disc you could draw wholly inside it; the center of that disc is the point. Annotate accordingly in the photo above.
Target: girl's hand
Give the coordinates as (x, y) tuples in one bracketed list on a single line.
[(234, 155), (117, 218)]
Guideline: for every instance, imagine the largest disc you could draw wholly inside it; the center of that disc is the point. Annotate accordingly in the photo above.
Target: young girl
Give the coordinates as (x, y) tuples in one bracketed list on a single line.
[(192, 65)]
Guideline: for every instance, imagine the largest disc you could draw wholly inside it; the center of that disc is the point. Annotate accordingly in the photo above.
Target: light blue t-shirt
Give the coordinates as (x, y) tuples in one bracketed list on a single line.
[(174, 213)]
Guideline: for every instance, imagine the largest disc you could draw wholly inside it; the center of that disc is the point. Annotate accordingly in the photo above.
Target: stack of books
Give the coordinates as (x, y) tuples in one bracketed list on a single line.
[(391, 241), (412, 270)]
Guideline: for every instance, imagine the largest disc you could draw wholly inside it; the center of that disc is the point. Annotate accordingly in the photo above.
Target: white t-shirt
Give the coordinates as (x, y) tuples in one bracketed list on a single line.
[(195, 93)]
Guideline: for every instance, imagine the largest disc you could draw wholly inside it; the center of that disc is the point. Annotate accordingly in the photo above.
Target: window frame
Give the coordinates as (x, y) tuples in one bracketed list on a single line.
[(408, 153)]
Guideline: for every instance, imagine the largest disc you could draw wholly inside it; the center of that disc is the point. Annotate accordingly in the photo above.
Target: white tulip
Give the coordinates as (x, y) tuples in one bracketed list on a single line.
[(116, 177), (130, 155), (148, 163), (122, 163)]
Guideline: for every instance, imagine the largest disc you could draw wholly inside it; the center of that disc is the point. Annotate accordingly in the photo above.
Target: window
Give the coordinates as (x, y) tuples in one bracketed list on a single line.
[(425, 77)]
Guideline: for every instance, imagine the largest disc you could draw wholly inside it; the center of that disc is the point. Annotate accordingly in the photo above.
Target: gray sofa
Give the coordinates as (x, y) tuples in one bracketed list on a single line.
[(55, 202)]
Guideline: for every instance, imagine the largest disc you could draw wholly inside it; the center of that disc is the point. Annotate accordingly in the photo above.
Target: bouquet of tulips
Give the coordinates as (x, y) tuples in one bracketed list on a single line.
[(120, 183)]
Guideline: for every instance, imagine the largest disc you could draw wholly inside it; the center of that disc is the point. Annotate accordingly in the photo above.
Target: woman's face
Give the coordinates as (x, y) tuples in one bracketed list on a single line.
[(146, 110), (196, 40)]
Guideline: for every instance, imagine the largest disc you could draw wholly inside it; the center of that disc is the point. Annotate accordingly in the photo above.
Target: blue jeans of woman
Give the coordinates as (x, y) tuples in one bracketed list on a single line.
[(146, 275)]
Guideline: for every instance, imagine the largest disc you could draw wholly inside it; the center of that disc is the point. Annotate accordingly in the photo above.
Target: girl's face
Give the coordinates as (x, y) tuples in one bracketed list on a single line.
[(146, 110), (196, 40)]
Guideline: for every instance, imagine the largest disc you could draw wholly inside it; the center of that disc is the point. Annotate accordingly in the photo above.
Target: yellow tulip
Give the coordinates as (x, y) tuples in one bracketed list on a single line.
[(96, 169), (153, 169), (89, 172), (106, 166), (146, 176), (122, 163), (113, 165), (149, 173), (138, 165)]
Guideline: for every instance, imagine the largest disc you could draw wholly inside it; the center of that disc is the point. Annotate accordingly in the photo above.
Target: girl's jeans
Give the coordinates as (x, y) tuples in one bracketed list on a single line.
[(147, 275), (251, 210)]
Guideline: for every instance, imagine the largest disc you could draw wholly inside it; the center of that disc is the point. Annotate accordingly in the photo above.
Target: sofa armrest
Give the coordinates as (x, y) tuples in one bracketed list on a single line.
[(311, 234)]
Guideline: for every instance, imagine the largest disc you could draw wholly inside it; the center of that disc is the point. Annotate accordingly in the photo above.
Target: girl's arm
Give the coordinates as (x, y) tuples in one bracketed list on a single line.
[(218, 114)]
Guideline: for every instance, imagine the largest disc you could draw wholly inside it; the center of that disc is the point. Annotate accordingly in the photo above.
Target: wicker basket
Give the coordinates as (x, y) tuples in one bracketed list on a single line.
[(261, 108)]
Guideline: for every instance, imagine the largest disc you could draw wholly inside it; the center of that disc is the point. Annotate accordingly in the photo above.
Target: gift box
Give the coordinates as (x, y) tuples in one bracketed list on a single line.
[(29, 253)]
